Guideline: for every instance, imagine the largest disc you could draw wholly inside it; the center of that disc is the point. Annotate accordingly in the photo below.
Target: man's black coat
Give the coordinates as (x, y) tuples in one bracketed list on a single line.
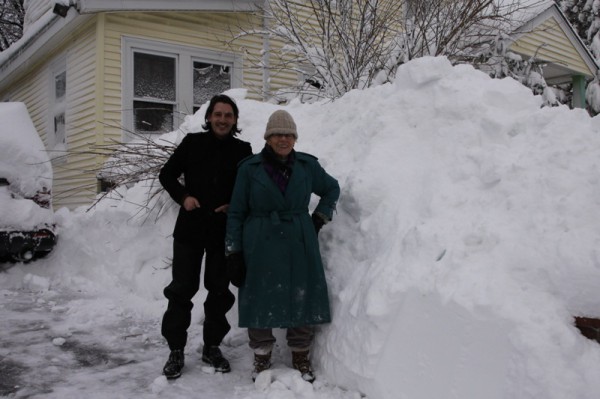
[(209, 166)]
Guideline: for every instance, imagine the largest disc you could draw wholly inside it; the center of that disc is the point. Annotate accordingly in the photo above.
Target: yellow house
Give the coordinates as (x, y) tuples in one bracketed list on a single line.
[(90, 71)]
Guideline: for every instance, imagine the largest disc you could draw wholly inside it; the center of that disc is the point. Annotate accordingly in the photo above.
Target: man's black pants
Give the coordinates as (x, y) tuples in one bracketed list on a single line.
[(187, 262)]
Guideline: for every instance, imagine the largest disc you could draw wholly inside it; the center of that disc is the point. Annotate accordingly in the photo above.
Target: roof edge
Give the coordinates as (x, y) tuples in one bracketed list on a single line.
[(94, 6), (32, 49)]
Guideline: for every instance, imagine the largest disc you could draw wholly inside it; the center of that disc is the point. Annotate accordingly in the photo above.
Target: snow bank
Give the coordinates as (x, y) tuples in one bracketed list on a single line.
[(466, 239)]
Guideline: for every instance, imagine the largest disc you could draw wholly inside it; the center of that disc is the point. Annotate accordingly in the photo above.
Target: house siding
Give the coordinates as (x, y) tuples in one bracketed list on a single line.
[(74, 181), (556, 48)]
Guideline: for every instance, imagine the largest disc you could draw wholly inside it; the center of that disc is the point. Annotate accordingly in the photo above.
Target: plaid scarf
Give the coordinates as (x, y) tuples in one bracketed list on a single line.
[(280, 171)]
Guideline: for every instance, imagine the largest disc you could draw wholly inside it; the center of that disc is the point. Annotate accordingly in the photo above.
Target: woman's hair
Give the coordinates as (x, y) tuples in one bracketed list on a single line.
[(221, 98)]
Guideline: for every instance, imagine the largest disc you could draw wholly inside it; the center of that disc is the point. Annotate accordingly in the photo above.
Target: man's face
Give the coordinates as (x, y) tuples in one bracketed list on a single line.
[(222, 119), (282, 144)]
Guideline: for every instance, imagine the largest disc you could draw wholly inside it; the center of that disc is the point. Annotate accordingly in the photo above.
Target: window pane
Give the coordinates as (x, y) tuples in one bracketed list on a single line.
[(152, 117), (210, 79), (60, 86), (59, 128), (154, 77)]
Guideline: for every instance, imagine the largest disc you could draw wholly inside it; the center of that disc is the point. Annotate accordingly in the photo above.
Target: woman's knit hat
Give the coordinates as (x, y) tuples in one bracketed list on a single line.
[(281, 122)]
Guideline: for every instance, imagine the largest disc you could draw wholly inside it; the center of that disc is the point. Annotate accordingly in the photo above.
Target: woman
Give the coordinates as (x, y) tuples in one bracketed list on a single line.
[(273, 239)]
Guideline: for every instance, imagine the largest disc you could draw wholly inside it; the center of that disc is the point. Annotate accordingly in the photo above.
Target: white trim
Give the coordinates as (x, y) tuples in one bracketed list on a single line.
[(93, 6), (185, 57)]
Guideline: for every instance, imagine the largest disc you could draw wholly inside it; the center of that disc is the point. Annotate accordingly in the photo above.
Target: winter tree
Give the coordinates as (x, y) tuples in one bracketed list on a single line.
[(575, 11), (340, 45), (12, 14), (336, 45)]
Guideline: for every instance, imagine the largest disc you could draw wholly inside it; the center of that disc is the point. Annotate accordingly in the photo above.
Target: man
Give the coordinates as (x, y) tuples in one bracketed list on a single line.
[(208, 162)]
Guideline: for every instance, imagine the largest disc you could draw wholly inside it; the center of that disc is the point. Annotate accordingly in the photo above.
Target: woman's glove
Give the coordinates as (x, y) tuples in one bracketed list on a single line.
[(236, 268), (318, 222)]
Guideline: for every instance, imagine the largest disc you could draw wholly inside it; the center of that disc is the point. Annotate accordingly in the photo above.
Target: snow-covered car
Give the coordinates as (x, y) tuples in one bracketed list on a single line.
[(27, 226)]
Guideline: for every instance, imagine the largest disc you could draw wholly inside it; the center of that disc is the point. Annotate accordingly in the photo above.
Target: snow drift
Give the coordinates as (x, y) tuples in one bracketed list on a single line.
[(466, 238)]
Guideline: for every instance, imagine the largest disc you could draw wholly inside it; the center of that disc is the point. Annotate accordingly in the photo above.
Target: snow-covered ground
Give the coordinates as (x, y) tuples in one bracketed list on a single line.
[(466, 239)]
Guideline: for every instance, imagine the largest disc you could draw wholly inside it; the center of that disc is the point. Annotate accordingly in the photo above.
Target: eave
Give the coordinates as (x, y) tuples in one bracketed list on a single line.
[(94, 6), (33, 49)]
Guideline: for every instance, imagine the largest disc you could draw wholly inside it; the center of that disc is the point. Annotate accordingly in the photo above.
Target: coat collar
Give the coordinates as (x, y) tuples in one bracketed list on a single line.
[(294, 187)]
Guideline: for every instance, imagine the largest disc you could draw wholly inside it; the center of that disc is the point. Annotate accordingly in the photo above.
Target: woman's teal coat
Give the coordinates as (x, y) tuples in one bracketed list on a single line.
[(285, 282)]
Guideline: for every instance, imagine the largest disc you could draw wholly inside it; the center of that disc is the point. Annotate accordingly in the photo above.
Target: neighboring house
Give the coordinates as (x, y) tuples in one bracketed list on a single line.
[(549, 37), (92, 71)]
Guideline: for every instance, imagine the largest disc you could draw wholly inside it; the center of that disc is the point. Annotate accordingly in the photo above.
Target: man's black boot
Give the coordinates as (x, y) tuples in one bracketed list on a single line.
[(213, 356), (174, 365)]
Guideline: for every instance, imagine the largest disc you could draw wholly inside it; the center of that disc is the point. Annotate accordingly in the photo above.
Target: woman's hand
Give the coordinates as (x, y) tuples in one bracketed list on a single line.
[(236, 268), (222, 208)]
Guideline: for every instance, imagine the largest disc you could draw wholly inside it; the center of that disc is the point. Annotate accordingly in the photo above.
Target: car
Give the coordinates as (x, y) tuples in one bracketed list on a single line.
[(27, 223)]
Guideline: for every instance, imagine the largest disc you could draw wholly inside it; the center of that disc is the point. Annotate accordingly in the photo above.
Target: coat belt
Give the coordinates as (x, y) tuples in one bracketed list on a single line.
[(277, 216)]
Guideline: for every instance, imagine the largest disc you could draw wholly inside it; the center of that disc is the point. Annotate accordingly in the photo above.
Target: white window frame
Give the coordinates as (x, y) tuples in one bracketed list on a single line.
[(56, 145), (185, 57)]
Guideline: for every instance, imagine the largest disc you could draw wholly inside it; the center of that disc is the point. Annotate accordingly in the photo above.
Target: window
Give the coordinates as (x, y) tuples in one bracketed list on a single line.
[(154, 94), (60, 90), (57, 138), (163, 83)]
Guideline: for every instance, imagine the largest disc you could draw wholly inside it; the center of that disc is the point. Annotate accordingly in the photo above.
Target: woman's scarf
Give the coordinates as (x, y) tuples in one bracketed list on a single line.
[(279, 170)]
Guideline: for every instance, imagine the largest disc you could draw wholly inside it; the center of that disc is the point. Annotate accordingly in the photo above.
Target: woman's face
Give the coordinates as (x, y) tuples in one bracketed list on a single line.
[(282, 144)]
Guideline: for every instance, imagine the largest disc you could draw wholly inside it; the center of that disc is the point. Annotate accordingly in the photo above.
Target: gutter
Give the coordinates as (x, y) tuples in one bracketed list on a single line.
[(95, 6), (266, 70)]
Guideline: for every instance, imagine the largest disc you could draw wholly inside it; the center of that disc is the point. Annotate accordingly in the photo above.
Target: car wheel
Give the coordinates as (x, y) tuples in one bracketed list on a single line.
[(24, 256)]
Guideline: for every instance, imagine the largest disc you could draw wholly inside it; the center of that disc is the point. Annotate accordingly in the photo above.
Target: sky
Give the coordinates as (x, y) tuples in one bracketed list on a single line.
[(466, 239)]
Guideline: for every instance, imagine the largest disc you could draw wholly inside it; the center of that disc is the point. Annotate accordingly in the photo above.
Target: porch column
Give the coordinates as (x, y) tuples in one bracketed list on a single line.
[(578, 91)]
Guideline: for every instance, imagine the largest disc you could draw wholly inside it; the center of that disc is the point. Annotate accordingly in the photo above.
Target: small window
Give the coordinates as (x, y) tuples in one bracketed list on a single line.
[(57, 133), (60, 86), (59, 128), (60, 91)]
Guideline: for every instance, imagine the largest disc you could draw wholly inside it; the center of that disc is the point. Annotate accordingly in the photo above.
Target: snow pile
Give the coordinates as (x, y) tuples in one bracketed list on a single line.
[(466, 239), (24, 162)]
